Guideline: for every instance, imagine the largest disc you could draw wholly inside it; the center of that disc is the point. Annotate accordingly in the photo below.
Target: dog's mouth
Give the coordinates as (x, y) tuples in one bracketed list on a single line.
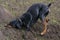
[(8, 26)]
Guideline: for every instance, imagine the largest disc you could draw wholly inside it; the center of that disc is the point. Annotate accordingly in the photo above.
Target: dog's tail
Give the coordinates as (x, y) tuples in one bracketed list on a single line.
[(50, 4)]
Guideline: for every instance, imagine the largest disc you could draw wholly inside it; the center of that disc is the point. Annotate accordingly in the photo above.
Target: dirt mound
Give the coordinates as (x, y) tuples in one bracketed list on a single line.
[(5, 15), (2, 37), (17, 34)]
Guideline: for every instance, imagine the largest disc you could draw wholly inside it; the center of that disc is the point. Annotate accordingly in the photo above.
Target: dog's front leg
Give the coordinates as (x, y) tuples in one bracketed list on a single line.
[(28, 25), (28, 28)]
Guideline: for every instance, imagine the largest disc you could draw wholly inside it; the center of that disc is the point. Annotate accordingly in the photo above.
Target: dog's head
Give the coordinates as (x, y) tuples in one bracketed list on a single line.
[(15, 24)]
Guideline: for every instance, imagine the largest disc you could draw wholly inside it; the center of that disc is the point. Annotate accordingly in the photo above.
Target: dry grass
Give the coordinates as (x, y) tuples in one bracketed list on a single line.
[(17, 8)]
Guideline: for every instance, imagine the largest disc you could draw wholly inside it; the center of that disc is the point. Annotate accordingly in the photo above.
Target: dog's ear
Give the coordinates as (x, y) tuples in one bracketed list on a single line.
[(49, 4)]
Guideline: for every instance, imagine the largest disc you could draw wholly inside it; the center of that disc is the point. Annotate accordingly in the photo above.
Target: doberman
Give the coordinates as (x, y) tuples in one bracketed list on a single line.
[(36, 11)]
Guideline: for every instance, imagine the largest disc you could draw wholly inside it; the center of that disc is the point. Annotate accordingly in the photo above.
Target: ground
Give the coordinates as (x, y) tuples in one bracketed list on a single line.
[(10, 9)]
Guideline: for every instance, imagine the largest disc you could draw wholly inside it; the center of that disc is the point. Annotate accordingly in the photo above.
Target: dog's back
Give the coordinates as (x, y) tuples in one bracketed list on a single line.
[(25, 18), (37, 10)]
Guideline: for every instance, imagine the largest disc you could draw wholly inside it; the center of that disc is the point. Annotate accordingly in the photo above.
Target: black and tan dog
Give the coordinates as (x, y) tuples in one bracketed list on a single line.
[(29, 18)]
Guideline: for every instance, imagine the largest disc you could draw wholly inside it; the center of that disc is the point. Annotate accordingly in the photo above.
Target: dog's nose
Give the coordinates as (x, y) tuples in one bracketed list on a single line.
[(6, 25)]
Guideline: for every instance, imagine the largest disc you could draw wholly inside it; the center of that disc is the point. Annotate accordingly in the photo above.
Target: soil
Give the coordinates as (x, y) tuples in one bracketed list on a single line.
[(53, 31)]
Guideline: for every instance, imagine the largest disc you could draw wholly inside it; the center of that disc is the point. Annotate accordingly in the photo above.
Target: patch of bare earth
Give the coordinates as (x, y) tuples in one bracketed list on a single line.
[(53, 31), (5, 15)]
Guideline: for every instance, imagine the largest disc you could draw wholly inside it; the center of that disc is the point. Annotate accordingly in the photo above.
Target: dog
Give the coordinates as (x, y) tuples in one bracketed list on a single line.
[(30, 17)]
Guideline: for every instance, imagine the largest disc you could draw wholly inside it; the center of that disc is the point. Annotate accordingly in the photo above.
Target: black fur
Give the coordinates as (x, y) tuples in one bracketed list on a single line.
[(29, 18)]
